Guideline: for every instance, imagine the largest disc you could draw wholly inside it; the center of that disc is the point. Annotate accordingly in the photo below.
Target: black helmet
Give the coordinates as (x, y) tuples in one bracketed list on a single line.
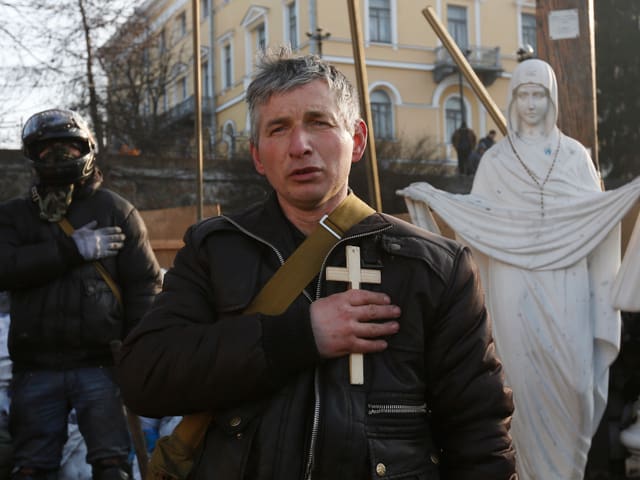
[(66, 127)]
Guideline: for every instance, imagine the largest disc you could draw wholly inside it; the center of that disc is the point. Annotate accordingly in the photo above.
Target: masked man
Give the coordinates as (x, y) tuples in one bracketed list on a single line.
[(80, 271)]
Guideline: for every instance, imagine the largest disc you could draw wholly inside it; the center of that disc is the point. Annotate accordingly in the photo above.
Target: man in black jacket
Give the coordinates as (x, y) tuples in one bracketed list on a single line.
[(72, 294), (432, 403)]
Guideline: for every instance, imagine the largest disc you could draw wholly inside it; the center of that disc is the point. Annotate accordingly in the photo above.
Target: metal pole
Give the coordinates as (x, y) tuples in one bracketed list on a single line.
[(213, 125), (361, 75), (466, 69), (197, 100)]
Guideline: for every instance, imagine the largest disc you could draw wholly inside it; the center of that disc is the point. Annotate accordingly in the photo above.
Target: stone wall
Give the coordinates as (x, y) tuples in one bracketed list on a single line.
[(152, 184), (15, 174), (231, 184)]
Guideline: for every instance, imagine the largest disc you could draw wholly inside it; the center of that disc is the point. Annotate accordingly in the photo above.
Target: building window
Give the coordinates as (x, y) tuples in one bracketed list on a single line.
[(292, 25), (227, 66), (181, 25), (204, 9), (379, 21), (381, 111), (529, 31), (457, 25), (261, 37), (453, 116), (182, 85)]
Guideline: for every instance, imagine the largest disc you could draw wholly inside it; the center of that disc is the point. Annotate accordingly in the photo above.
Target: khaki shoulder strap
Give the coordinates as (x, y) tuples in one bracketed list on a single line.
[(305, 262), (67, 228)]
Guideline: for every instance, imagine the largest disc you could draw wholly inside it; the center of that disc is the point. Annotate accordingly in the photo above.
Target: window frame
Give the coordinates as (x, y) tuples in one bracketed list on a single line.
[(181, 25), (529, 30), (377, 22), (291, 24), (226, 59), (382, 115), (458, 27)]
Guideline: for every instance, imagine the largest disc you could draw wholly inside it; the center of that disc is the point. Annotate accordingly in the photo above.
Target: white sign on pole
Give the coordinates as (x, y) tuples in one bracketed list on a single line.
[(564, 24)]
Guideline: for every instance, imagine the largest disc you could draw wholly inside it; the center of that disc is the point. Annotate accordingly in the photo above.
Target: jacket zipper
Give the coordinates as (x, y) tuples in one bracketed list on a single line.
[(264, 242), (316, 380), (395, 409)]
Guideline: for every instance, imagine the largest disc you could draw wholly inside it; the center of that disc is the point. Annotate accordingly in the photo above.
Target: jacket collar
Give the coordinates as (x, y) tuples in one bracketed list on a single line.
[(267, 221)]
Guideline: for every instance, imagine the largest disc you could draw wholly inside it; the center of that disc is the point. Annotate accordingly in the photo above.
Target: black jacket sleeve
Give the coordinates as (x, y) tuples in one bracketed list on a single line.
[(191, 354), (471, 406), (139, 275)]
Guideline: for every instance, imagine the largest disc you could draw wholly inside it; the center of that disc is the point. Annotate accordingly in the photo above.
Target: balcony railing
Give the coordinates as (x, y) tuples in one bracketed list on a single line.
[(185, 111), (485, 61)]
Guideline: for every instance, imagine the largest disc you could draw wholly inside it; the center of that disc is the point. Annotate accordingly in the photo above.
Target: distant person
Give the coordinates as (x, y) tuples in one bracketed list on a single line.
[(430, 402), (75, 288), (475, 157), (488, 141), (464, 141)]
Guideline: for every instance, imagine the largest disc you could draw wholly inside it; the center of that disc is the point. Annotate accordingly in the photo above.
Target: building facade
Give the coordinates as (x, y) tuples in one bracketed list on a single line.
[(415, 89)]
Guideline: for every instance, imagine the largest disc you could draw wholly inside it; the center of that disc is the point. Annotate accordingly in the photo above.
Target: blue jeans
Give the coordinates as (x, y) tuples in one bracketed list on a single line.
[(40, 404)]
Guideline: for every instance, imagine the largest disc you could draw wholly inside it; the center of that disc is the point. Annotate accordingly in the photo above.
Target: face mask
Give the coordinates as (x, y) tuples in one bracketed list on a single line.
[(53, 202), (60, 152)]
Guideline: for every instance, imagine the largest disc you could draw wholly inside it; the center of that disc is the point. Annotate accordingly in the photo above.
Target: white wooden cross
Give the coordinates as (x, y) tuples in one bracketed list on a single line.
[(354, 275)]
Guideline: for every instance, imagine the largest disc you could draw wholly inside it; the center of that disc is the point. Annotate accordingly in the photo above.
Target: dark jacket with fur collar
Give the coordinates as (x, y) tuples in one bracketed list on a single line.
[(433, 405)]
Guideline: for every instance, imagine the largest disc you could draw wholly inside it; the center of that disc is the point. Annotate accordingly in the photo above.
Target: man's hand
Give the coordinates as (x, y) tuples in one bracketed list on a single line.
[(94, 243), (342, 323)]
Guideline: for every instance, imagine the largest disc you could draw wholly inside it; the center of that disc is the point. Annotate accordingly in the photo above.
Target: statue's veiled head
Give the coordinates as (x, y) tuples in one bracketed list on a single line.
[(530, 74)]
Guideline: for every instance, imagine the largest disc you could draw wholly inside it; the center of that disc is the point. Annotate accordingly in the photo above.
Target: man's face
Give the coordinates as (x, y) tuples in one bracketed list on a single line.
[(532, 104), (304, 149)]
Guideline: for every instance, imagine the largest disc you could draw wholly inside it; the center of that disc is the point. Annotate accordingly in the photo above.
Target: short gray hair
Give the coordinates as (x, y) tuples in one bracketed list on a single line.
[(278, 71)]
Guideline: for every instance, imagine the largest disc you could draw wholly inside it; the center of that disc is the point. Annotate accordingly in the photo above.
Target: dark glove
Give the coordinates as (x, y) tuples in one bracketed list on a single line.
[(94, 243)]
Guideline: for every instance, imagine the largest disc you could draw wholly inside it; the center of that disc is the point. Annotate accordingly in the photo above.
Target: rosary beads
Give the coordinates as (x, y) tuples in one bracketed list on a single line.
[(533, 175)]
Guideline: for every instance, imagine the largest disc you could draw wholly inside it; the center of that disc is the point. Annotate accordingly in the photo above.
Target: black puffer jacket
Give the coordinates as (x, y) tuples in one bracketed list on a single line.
[(432, 406), (63, 314)]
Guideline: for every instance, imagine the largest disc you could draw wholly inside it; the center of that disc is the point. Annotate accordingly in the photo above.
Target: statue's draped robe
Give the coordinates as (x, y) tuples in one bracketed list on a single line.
[(548, 284), (627, 284)]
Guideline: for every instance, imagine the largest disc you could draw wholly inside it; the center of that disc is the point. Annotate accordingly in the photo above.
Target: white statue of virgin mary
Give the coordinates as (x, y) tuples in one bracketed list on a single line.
[(546, 240)]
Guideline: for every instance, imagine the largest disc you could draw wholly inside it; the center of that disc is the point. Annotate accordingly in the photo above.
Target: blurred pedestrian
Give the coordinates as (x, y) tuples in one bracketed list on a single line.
[(488, 141), (464, 141)]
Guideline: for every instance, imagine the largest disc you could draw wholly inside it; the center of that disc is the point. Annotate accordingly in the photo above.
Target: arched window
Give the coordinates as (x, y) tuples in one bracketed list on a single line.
[(453, 116), (381, 111)]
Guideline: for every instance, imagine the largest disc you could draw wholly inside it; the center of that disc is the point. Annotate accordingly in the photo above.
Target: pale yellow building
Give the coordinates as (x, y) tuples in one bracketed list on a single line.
[(413, 86)]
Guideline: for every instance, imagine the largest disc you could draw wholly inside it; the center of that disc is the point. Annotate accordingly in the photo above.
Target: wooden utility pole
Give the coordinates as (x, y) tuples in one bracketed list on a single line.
[(371, 160), (566, 40)]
